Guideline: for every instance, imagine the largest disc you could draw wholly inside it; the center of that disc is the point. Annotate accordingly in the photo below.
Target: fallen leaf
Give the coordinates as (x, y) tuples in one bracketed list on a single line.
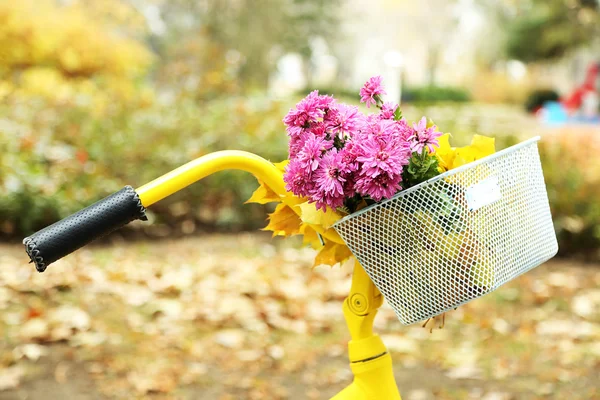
[(400, 344), (10, 377), (276, 352), (152, 381), (31, 351), (71, 317), (587, 304), (232, 338), (60, 373), (466, 371), (34, 329)]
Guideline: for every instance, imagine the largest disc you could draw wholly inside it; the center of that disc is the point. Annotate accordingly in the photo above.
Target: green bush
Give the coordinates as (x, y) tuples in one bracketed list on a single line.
[(572, 173), (55, 160), (434, 94), (340, 93), (538, 98)]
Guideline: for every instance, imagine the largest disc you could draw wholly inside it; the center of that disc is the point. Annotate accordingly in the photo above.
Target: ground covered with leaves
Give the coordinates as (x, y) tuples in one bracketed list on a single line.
[(244, 317)]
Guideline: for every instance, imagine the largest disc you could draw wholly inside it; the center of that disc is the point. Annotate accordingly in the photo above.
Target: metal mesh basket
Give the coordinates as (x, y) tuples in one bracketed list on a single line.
[(457, 236)]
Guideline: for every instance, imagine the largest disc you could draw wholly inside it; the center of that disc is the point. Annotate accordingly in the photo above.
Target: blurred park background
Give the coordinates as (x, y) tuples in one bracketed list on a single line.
[(97, 94)]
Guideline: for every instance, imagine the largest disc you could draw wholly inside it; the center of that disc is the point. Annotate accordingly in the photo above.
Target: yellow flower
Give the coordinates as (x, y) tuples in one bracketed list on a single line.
[(452, 157)]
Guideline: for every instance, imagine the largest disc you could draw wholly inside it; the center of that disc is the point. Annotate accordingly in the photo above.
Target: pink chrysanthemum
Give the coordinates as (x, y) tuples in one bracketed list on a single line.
[(319, 129), (387, 110), (324, 102), (424, 137), (371, 89), (330, 181), (312, 151), (382, 156), (383, 186), (344, 120), (307, 110), (297, 179), (349, 155), (296, 144), (384, 130), (366, 125), (404, 131)]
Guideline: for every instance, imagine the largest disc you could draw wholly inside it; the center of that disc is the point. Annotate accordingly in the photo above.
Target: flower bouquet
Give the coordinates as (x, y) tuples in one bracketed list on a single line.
[(434, 226)]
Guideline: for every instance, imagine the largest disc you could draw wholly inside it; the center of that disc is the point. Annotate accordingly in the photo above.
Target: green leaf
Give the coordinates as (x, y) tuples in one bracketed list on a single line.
[(421, 167), (398, 114)]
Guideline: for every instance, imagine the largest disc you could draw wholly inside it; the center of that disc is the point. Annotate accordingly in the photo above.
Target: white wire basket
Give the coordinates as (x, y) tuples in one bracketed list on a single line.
[(457, 236)]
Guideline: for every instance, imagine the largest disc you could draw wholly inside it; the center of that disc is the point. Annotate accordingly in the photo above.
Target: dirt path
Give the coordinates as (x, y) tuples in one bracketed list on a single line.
[(240, 317)]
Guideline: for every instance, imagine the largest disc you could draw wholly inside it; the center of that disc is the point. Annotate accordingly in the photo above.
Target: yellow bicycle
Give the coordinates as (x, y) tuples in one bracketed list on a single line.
[(429, 249), (370, 361)]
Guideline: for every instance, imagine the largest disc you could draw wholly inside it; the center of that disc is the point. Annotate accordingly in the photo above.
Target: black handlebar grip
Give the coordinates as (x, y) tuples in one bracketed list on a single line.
[(75, 231)]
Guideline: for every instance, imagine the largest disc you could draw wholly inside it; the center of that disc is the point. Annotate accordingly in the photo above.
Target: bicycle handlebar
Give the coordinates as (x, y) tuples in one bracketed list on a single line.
[(75, 231), (66, 236)]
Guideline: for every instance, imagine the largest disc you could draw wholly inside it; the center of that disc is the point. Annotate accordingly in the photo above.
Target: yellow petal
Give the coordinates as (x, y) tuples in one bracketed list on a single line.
[(332, 254), (283, 221)]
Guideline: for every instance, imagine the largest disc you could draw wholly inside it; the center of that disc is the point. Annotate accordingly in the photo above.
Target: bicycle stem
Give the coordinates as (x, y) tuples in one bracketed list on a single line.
[(370, 362)]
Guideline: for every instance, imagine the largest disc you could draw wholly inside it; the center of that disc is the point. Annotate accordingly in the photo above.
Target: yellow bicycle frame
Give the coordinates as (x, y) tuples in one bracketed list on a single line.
[(370, 361)]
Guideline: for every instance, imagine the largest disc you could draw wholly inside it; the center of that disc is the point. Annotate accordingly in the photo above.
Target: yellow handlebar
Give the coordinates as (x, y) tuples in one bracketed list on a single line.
[(204, 166), (207, 165)]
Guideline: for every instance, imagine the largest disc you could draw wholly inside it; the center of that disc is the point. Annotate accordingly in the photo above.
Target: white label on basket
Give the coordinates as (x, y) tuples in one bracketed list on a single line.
[(483, 193)]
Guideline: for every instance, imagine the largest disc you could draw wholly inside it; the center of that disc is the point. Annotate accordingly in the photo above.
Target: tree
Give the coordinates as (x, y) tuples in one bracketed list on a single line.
[(543, 30), (253, 33), (64, 51)]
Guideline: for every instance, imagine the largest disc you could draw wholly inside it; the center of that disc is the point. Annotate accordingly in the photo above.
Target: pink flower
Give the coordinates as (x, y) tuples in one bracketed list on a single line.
[(312, 151), (344, 120), (382, 156), (384, 130), (371, 89), (383, 186), (330, 181), (297, 179), (349, 155), (424, 137), (307, 110), (319, 129), (324, 102), (366, 125), (405, 131), (387, 110), (296, 144)]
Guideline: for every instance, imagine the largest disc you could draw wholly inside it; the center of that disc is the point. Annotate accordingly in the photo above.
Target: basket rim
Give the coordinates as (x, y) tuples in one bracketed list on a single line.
[(446, 174)]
